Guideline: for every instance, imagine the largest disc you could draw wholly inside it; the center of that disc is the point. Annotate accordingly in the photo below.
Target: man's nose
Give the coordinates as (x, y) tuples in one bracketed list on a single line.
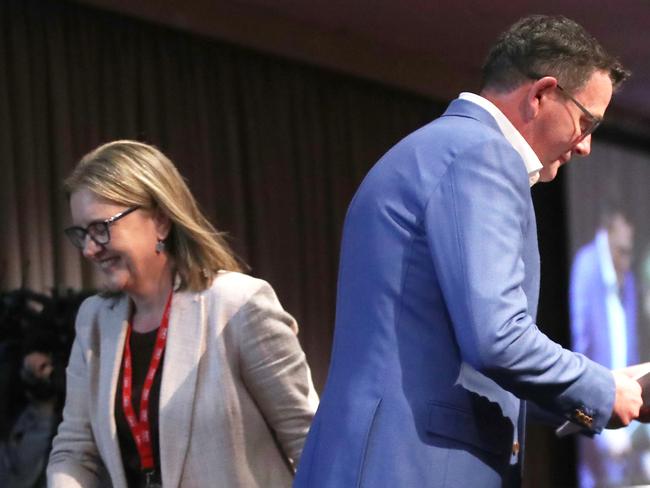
[(583, 148)]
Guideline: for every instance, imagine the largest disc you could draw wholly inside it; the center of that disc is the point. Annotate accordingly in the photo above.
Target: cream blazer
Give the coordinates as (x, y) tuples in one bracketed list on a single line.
[(236, 398)]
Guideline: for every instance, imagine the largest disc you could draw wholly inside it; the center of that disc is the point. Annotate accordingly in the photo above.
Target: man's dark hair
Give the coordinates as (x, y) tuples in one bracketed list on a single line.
[(542, 45), (609, 207)]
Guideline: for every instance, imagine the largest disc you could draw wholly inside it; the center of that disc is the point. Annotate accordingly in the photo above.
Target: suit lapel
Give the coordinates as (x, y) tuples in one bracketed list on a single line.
[(113, 333), (185, 345)]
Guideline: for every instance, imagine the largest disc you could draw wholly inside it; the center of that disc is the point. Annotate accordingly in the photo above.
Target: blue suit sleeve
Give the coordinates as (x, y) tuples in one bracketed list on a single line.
[(476, 220)]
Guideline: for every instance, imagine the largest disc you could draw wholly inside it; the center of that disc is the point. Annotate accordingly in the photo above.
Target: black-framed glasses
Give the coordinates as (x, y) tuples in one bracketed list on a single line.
[(594, 122), (586, 129), (98, 231)]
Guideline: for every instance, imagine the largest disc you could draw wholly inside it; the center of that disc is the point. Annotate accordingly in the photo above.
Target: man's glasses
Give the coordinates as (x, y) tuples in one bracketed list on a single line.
[(592, 123), (98, 231), (586, 127)]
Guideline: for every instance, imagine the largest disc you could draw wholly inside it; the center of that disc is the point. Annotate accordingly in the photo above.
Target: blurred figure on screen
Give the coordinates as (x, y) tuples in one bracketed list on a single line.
[(645, 282), (603, 327), (641, 434)]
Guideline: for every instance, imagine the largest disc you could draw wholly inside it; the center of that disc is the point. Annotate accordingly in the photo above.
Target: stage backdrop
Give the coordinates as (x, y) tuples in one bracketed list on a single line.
[(609, 292)]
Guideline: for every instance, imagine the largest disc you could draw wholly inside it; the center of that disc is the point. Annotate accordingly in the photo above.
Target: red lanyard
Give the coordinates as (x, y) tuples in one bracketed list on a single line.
[(140, 425)]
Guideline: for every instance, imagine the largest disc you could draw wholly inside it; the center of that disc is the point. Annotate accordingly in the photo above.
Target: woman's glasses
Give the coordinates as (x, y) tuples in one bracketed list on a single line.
[(99, 232)]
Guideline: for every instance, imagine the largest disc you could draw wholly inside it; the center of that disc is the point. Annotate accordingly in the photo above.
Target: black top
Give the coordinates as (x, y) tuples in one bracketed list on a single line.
[(142, 346)]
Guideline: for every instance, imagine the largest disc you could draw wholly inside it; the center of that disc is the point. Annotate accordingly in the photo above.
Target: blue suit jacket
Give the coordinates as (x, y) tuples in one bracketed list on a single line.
[(437, 294)]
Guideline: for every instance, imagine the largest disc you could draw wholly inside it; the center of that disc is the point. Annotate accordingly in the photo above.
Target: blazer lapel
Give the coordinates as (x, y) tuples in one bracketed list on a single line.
[(185, 345), (113, 333)]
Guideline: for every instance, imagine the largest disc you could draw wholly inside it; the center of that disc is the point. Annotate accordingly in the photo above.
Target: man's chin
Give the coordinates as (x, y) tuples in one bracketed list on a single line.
[(549, 172)]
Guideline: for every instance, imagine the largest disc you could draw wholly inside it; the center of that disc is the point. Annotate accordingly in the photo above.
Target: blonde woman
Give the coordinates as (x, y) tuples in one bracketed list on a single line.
[(184, 372)]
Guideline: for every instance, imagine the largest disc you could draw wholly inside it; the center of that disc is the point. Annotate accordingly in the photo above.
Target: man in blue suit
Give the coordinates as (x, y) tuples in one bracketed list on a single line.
[(603, 328), (435, 342)]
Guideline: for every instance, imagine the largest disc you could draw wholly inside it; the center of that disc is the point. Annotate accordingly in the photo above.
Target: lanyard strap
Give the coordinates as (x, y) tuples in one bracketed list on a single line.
[(139, 425)]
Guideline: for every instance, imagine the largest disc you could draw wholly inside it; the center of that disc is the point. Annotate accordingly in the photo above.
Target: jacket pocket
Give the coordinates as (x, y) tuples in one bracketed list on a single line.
[(367, 443), (487, 430)]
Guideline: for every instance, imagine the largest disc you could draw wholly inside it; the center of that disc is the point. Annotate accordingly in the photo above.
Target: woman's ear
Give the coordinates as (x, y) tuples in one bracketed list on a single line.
[(163, 224)]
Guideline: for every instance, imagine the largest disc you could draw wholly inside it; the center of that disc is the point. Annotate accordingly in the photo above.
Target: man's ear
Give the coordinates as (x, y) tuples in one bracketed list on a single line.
[(163, 224), (537, 94)]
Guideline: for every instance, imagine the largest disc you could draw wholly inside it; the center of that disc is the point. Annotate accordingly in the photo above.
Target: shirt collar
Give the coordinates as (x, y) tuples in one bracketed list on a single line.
[(512, 135)]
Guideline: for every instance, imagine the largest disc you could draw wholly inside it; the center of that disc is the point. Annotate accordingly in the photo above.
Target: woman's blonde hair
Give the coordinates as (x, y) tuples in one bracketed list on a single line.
[(132, 173)]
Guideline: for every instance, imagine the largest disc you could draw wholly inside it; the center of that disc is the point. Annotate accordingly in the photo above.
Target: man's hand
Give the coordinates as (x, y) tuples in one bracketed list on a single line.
[(636, 370), (644, 415), (628, 400)]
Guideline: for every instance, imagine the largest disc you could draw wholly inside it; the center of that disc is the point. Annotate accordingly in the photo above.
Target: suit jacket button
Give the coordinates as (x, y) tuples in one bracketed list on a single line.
[(515, 448)]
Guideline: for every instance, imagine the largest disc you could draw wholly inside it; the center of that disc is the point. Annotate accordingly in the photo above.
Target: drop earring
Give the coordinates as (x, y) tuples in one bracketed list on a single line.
[(160, 246)]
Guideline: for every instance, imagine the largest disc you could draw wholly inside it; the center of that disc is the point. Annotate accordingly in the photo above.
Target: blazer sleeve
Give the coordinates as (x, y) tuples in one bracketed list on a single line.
[(476, 219), (275, 370), (74, 459)]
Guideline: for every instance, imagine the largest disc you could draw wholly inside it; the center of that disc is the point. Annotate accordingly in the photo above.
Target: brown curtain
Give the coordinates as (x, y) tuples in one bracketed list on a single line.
[(273, 150)]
